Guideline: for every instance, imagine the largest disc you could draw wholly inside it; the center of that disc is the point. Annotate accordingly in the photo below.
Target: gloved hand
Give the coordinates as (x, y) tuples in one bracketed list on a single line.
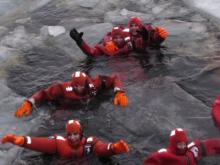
[(120, 147), (11, 138), (110, 47), (162, 32), (24, 110), (121, 99), (75, 35), (144, 33)]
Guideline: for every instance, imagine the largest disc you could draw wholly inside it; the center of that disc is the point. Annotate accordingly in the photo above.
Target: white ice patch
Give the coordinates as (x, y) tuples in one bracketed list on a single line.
[(88, 3), (210, 6), (37, 4), (6, 53), (124, 12), (23, 20), (56, 30), (21, 40)]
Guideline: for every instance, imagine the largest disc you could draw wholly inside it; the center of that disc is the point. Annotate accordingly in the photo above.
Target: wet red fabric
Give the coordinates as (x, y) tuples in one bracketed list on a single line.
[(60, 146), (65, 92)]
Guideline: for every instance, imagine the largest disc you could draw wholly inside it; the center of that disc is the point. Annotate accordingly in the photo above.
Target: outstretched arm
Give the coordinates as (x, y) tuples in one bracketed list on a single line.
[(51, 93), (103, 149), (212, 146), (40, 144), (208, 147)]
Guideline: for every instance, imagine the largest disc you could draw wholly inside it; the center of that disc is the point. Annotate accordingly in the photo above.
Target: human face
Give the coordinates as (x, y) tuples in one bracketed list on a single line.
[(73, 139), (181, 147), (118, 40), (79, 89), (133, 29)]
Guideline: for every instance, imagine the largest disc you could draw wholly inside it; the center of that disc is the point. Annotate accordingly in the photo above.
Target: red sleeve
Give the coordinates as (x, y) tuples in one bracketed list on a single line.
[(51, 93), (91, 51), (216, 111), (154, 37), (112, 81), (41, 144), (212, 146), (166, 158), (197, 150), (102, 149), (208, 147), (153, 159)]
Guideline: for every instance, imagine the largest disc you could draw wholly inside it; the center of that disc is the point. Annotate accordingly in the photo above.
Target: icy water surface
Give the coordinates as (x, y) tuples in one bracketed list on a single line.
[(173, 86)]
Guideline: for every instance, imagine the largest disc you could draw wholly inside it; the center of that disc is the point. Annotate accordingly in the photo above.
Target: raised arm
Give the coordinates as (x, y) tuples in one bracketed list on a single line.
[(88, 50)]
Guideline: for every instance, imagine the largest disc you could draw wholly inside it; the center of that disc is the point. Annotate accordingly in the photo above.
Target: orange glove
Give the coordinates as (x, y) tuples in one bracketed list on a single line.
[(120, 147), (24, 110), (110, 47), (121, 99), (162, 32), (11, 138)]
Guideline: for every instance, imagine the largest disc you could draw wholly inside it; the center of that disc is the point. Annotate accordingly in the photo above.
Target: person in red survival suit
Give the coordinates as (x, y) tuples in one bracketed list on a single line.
[(73, 145), (216, 111), (116, 42), (179, 153), (81, 87), (143, 36)]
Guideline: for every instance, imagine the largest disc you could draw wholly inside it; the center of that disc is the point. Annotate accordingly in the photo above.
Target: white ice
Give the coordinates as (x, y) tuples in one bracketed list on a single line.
[(56, 30), (209, 6)]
